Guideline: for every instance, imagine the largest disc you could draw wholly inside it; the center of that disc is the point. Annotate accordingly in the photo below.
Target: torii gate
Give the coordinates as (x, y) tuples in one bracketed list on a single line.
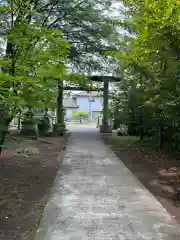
[(105, 127)]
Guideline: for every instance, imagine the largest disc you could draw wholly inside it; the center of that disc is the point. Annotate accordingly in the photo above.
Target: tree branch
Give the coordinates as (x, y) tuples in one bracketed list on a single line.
[(65, 14), (50, 11)]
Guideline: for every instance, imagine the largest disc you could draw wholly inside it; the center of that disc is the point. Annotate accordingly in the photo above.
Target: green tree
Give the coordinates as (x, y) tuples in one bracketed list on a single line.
[(30, 61), (87, 28), (151, 59), (37, 35)]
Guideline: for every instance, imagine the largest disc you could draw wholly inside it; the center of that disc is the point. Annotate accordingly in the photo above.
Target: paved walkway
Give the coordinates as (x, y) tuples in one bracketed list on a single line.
[(95, 197)]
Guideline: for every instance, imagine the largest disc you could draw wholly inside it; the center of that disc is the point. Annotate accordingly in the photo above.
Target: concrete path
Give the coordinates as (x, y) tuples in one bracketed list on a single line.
[(95, 197)]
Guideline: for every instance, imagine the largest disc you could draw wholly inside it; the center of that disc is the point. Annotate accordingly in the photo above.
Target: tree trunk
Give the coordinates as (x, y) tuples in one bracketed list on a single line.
[(2, 139), (141, 124), (60, 125), (60, 119), (141, 128), (4, 124), (161, 136)]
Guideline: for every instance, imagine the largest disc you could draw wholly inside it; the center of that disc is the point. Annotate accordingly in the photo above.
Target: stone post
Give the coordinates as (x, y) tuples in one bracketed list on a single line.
[(105, 127)]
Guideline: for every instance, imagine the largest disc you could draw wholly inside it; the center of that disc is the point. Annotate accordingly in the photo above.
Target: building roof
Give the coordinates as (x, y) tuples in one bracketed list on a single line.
[(86, 94), (69, 103)]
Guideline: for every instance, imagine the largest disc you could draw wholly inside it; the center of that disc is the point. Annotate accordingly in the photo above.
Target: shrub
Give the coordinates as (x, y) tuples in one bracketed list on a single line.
[(78, 115)]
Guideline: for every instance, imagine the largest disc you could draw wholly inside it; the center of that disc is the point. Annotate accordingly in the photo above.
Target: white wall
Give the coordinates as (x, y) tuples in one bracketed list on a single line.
[(85, 105)]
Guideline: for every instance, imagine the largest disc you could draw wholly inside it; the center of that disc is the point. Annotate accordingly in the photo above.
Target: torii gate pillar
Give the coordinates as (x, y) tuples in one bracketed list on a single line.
[(105, 127)]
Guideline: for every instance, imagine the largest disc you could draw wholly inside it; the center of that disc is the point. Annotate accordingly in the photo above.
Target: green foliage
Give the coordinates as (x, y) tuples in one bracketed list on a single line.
[(43, 37), (87, 28), (148, 97), (79, 115), (30, 61)]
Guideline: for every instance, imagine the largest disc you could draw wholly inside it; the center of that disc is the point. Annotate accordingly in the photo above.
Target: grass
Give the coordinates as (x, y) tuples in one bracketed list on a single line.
[(148, 144), (39, 207), (131, 141)]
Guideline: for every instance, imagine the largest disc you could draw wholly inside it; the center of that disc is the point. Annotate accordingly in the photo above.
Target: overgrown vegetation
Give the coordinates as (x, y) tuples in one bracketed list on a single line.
[(147, 100)]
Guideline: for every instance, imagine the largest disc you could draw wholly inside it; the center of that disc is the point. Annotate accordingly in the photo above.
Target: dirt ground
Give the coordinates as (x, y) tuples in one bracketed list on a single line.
[(144, 163), (27, 170)]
